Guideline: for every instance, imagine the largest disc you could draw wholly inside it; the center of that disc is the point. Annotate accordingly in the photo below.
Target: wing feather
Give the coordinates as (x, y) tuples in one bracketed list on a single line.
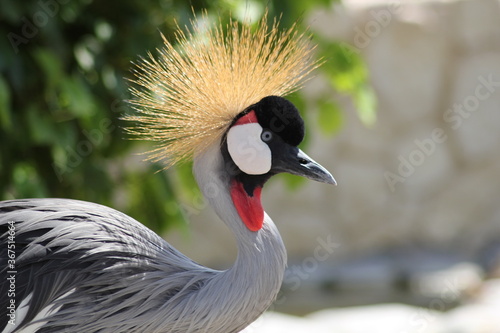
[(102, 256)]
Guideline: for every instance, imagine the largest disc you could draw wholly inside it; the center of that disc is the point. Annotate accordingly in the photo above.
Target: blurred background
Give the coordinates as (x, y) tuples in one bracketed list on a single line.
[(405, 112)]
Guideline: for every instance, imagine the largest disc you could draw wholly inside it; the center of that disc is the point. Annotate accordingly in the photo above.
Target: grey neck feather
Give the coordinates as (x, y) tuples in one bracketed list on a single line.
[(252, 284)]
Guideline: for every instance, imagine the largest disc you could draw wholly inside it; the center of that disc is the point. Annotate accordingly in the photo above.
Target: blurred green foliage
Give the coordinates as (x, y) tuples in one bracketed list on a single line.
[(63, 70)]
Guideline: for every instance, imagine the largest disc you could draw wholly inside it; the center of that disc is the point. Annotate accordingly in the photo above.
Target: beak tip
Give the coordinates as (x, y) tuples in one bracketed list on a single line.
[(308, 168), (332, 181)]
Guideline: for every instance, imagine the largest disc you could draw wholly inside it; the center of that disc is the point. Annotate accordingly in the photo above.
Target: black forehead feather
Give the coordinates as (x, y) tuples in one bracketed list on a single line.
[(281, 117)]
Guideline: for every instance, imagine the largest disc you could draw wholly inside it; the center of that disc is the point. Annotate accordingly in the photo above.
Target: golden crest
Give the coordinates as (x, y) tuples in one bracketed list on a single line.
[(189, 94)]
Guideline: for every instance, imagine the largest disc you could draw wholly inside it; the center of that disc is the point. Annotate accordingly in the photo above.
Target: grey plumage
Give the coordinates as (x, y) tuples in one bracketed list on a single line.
[(104, 272), (108, 257)]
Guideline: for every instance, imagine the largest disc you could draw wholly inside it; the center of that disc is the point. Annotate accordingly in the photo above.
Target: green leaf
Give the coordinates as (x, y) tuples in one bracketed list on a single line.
[(154, 192), (77, 97), (366, 103), (330, 118), (185, 181), (5, 112), (26, 181), (51, 67), (348, 74), (41, 129), (298, 100)]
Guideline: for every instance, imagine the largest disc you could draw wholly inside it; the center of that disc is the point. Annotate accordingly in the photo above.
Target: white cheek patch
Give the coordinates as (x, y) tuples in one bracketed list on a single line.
[(247, 149)]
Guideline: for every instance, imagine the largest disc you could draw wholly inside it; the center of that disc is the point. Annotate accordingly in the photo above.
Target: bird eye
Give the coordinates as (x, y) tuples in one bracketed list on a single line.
[(266, 136)]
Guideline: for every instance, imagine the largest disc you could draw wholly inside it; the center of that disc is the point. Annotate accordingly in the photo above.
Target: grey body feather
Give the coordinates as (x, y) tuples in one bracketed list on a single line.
[(102, 271)]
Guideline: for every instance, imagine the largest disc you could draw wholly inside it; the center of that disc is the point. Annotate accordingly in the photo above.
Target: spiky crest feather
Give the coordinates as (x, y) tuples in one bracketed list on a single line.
[(188, 96)]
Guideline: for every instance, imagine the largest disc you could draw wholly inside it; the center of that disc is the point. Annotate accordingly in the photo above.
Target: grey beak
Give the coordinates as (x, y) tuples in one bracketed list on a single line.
[(296, 162)]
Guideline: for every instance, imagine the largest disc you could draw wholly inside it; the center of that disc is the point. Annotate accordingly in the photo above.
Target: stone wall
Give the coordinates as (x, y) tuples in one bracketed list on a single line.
[(428, 173), (424, 180)]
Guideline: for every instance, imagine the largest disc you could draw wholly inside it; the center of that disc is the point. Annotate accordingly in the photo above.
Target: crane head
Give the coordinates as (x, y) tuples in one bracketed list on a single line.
[(261, 142), (224, 86)]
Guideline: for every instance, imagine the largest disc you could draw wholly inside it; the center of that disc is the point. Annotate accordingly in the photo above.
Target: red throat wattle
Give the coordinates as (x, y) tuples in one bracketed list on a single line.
[(248, 207)]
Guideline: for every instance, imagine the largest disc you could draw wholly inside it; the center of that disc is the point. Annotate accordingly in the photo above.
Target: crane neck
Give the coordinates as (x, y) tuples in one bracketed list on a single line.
[(257, 274)]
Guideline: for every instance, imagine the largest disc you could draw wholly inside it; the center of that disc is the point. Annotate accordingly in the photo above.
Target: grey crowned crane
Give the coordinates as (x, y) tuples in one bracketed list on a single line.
[(216, 98)]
